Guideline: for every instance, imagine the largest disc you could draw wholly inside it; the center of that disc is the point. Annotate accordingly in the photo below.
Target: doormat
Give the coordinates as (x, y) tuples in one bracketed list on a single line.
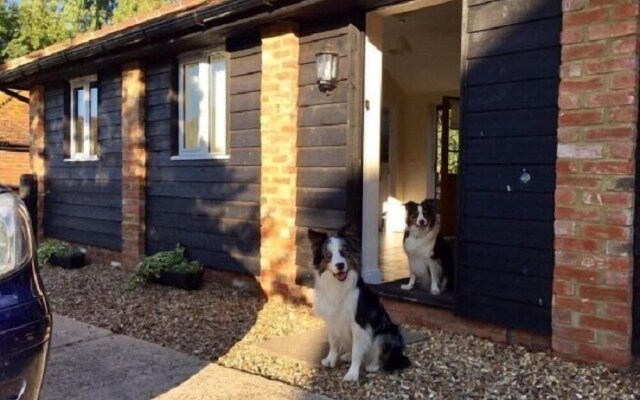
[(312, 346)]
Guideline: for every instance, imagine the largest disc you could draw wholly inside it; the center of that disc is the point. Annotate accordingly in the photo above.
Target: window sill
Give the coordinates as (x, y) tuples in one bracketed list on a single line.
[(81, 159), (200, 157)]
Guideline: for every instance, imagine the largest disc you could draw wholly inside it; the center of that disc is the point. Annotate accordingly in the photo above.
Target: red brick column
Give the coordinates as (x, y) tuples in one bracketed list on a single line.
[(592, 290), (36, 140), (278, 121), (134, 159)]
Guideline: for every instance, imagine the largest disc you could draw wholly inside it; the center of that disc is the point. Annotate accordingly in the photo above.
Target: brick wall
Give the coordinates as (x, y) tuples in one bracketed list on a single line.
[(278, 123), (14, 120), (98, 255), (595, 173), (12, 165), (134, 158), (14, 130), (36, 134), (405, 312)]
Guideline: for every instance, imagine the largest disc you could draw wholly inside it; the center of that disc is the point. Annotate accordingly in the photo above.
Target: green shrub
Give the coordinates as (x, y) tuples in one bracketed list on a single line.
[(174, 261), (51, 246)]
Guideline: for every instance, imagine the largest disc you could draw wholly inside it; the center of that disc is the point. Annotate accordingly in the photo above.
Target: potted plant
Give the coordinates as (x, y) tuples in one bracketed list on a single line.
[(69, 258), (48, 247), (59, 253), (169, 268)]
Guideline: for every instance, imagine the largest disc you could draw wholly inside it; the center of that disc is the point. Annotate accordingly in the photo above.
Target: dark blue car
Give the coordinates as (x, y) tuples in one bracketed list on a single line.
[(25, 317)]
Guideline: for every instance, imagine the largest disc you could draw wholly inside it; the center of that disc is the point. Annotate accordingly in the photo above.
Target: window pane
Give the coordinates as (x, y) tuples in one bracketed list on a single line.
[(218, 106), (78, 120), (193, 97), (94, 118)]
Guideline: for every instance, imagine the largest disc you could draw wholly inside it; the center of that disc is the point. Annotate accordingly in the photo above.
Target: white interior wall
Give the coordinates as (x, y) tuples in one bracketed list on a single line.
[(414, 134), (392, 99), (421, 58)]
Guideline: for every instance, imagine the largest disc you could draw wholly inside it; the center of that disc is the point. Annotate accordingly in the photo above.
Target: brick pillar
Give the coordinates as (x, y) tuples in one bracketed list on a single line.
[(36, 140), (134, 158), (592, 289), (278, 121)]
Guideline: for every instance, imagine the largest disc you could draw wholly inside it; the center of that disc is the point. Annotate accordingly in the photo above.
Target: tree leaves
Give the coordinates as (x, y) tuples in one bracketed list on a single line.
[(129, 8), (34, 24)]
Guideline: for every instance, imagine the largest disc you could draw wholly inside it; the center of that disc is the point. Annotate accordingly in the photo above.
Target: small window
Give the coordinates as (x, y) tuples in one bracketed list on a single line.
[(84, 118), (203, 107)]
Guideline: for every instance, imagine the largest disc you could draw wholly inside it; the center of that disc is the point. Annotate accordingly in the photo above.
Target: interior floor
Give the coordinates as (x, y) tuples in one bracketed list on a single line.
[(395, 272), (393, 262)]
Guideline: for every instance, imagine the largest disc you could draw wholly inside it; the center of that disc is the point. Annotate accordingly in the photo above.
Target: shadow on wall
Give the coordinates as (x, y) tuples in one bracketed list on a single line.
[(212, 207), (83, 199)]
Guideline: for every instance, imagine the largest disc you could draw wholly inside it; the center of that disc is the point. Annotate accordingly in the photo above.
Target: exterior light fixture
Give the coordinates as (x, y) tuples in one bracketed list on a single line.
[(327, 64)]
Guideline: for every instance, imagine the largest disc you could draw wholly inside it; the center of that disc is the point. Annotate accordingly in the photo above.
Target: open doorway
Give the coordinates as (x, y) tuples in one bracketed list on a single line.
[(412, 97)]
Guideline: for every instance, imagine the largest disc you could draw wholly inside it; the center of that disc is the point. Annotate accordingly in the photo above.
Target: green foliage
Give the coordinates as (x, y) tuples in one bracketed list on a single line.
[(66, 252), (126, 9), (51, 246), (173, 261), (8, 23), (34, 24)]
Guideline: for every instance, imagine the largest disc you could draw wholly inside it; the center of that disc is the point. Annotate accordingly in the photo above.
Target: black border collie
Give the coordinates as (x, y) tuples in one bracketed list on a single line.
[(358, 326), (430, 256)]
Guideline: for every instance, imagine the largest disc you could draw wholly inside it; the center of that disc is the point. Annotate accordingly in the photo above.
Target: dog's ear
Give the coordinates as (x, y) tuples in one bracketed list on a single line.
[(348, 229), (429, 203), (429, 206), (410, 205), (316, 238)]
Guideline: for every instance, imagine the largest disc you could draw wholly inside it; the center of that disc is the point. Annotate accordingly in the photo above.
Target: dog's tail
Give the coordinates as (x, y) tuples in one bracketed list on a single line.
[(393, 355)]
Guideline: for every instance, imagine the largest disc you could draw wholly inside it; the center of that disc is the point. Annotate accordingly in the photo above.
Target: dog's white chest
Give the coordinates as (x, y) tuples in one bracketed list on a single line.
[(419, 246), (336, 302)]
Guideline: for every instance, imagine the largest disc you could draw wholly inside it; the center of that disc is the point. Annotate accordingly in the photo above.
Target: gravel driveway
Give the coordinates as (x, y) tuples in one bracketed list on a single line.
[(224, 325)]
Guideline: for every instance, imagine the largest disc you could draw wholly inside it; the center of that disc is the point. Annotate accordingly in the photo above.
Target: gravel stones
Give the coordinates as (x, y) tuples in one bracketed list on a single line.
[(223, 324)]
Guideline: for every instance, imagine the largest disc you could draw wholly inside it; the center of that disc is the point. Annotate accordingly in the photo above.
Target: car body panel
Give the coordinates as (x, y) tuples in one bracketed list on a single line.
[(25, 332)]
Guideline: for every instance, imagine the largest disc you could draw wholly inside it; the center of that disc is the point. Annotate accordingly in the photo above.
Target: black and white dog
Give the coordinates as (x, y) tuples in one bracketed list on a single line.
[(430, 256), (358, 326)]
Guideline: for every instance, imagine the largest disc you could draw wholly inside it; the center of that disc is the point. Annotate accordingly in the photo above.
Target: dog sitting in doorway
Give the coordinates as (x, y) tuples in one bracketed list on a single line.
[(357, 324), (430, 256)]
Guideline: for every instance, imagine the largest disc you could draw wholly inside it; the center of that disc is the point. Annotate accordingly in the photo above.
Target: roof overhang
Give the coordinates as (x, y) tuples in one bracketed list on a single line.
[(195, 16), (191, 24)]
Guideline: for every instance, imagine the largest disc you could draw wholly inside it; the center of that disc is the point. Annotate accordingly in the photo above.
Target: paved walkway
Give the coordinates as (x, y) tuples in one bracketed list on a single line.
[(92, 363)]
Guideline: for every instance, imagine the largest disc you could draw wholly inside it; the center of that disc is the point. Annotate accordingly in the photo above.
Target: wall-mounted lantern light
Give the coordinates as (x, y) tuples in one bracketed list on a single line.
[(327, 64)]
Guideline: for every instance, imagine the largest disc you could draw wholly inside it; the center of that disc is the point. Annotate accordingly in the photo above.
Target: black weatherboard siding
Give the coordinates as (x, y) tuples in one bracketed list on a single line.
[(83, 199), (324, 124), (510, 114), (209, 206)]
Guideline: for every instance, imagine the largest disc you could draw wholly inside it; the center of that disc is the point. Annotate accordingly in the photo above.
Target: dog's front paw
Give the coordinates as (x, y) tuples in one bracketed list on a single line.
[(406, 287), (351, 376), (372, 368), (328, 362), (435, 291)]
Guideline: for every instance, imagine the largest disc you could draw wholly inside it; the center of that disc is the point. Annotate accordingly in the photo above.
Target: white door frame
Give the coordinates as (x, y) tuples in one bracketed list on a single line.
[(371, 148), (371, 211)]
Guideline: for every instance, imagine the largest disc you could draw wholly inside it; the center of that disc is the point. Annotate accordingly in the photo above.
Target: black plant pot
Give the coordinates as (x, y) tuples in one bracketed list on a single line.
[(179, 280), (68, 261)]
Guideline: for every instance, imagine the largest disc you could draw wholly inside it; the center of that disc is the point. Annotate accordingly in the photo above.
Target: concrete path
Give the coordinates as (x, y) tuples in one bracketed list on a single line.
[(92, 363)]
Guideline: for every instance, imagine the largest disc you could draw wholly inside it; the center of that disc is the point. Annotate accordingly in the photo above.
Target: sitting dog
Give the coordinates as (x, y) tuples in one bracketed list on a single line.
[(430, 257), (358, 326)]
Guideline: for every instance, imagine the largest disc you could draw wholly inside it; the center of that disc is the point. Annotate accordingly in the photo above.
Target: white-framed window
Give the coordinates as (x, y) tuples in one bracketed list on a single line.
[(203, 106), (84, 118)]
